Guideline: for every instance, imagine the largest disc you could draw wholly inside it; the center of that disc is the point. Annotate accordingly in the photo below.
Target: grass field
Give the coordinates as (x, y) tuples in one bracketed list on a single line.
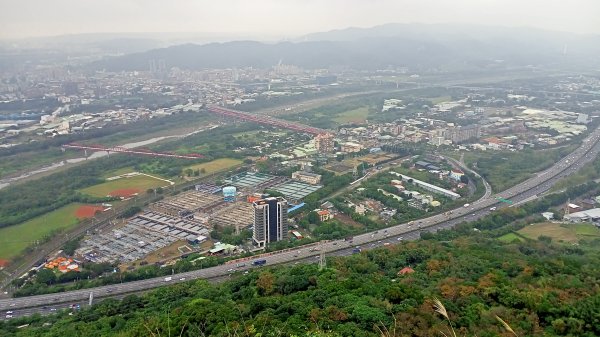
[(14, 239), (216, 165), (510, 237), (587, 230), (118, 172), (357, 116), (561, 232), (440, 99), (140, 183)]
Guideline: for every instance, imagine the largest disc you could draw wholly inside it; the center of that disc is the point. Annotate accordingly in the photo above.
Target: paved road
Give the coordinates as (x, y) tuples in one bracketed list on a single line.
[(460, 163), (526, 190)]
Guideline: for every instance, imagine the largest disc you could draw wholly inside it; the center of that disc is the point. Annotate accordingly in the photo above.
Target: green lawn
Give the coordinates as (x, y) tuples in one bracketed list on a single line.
[(571, 233), (14, 239), (140, 182), (586, 229), (216, 165), (510, 237), (353, 116)]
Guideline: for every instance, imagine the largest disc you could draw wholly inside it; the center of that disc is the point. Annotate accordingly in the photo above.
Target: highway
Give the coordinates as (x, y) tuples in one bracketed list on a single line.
[(529, 189)]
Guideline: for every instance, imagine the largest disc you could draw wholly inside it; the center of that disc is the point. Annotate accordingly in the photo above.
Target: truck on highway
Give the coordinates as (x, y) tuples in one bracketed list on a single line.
[(261, 262), (167, 279)]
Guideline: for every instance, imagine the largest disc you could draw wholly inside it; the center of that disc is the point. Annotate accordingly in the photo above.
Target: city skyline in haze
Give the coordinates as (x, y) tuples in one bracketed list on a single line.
[(280, 19)]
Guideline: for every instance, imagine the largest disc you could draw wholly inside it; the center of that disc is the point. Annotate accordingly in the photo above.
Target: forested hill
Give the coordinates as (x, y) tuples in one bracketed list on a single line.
[(539, 288), (418, 47)]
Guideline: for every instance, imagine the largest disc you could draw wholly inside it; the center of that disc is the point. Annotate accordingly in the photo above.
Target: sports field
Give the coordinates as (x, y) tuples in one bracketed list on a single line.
[(125, 187), (216, 165), (14, 239)]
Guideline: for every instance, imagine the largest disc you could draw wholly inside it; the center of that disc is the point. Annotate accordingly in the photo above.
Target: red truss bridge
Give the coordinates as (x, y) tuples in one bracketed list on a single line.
[(132, 151), (265, 120)]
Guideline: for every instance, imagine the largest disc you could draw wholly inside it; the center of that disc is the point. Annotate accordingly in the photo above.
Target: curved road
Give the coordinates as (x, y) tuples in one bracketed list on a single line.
[(527, 190)]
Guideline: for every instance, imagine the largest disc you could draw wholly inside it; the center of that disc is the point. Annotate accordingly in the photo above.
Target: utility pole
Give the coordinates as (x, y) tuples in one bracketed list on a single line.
[(91, 298), (322, 262)]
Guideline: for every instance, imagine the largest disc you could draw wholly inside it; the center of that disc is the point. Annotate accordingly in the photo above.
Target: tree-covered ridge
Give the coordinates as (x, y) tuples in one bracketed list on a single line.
[(539, 288)]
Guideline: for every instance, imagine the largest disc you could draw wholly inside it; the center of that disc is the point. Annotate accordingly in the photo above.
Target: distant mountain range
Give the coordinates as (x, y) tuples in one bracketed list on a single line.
[(417, 46)]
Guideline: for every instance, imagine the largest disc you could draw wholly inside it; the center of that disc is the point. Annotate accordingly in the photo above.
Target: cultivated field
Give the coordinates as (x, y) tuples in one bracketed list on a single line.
[(125, 186), (14, 239), (216, 165)]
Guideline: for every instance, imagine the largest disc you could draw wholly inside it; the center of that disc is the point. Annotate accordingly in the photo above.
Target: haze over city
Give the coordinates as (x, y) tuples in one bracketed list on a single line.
[(275, 19)]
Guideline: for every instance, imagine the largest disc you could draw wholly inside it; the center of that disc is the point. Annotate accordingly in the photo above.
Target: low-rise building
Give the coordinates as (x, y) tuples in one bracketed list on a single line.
[(307, 177), (428, 186), (587, 215), (350, 147)]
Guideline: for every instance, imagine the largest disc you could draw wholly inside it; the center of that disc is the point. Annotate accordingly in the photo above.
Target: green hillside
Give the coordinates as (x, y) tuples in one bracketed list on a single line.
[(538, 288)]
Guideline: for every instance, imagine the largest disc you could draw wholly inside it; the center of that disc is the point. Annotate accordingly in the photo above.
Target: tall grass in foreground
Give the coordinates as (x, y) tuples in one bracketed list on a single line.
[(439, 307)]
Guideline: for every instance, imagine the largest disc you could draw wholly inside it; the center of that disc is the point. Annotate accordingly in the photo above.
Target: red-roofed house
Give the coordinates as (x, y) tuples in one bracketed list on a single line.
[(324, 215), (495, 143), (456, 174), (406, 270)]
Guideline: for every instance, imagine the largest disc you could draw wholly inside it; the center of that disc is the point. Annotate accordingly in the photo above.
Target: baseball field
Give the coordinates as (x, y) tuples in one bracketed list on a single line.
[(14, 239)]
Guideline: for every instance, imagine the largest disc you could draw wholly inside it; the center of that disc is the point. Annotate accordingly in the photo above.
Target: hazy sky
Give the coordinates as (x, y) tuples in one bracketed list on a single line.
[(282, 18)]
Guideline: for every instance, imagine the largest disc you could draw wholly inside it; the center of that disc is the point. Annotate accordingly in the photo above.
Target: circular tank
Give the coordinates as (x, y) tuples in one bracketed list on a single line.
[(229, 193)]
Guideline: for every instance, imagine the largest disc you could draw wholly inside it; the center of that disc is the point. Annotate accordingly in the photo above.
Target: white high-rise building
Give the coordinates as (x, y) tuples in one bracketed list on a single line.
[(270, 220)]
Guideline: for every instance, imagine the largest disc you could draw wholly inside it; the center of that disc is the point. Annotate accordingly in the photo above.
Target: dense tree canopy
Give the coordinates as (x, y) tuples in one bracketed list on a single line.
[(537, 287)]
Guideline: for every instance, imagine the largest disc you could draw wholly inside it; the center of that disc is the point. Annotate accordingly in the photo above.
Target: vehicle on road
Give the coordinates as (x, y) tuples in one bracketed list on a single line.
[(356, 250), (261, 262), (167, 279), (492, 208), (466, 205)]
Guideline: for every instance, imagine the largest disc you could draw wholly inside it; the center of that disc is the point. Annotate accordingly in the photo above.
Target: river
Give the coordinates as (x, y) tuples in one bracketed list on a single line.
[(7, 181)]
